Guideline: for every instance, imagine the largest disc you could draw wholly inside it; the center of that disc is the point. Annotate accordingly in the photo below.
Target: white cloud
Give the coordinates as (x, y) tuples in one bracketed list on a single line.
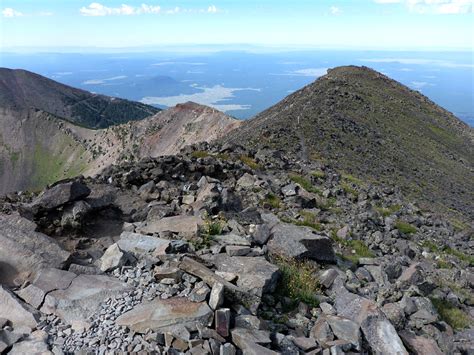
[(311, 72), (435, 6), (97, 9), (335, 10), (215, 96), (176, 63), (9, 12), (419, 61), (212, 9), (103, 81)]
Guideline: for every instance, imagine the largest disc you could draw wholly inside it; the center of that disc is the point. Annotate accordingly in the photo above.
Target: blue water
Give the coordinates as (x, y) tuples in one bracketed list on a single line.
[(245, 83)]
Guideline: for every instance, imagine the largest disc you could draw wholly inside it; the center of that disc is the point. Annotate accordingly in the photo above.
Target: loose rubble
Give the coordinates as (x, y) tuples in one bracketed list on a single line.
[(186, 254)]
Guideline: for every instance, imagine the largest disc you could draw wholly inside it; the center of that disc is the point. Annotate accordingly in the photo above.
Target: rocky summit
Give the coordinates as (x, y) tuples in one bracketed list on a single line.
[(227, 250), (372, 127)]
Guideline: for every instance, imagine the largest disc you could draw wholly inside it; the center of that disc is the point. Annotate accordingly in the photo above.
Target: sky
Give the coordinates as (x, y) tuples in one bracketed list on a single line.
[(345, 24)]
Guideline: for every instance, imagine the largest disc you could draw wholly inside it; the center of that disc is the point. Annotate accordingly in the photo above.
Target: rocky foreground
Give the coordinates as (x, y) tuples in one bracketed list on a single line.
[(225, 251)]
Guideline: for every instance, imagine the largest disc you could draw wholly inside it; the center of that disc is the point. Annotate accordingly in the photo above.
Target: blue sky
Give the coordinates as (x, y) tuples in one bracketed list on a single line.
[(361, 24)]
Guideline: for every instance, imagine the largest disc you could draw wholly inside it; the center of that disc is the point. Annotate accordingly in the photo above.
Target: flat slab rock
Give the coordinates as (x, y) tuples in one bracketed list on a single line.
[(255, 274), (186, 226), (136, 243), (23, 250), (300, 243), (161, 314), (75, 304), (16, 311)]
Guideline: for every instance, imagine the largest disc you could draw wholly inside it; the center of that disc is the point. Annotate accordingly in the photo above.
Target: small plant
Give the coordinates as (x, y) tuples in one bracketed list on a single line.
[(405, 228), (304, 183), (223, 156), (348, 189), (352, 179), (355, 249), (298, 281), (318, 174), (455, 317), (388, 211), (251, 163), (309, 220), (460, 255), (271, 200), (208, 230), (443, 264), (199, 154)]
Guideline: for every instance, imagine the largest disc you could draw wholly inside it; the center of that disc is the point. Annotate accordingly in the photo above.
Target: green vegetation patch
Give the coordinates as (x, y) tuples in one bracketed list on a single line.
[(355, 249), (271, 201), (352, 179), (455, 317), (304, 183), (318, 174), (405, 228), (250, 162), (388, 211), (298, 281), (348, 189), (460, 255), (434, 248), (199, 154), (308, 220)]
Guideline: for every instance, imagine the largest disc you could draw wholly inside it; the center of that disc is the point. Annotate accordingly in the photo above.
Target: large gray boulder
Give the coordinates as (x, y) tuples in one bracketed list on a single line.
[(377, 329), (24, 251), (59, 195), (16, 311), (160, 315), (75, 304), (296, 242), (255, 274)]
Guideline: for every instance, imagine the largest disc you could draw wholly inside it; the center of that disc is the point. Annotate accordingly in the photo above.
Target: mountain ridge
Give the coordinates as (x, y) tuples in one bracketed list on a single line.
[(371, 126), (23, 90)]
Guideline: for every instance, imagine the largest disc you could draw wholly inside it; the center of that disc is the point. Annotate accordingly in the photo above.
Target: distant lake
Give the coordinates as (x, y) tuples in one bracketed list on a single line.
[(245, 83)]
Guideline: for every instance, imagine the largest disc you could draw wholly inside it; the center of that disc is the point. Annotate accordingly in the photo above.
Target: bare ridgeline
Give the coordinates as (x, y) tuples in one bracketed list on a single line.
[(337, 221)]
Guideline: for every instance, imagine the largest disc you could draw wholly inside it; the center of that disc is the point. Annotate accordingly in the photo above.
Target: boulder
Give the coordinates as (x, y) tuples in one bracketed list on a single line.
[(255, 274), (419, 345), (75, 304), (251, 341), (377, 329), (36, 343), (216, 299), (46, 281), (297, 242), (185, 226), (112, 258), (16, 311), (23, 250), (159, 315), (59, 195), (232, 292), (139, 244), (345, 329)]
